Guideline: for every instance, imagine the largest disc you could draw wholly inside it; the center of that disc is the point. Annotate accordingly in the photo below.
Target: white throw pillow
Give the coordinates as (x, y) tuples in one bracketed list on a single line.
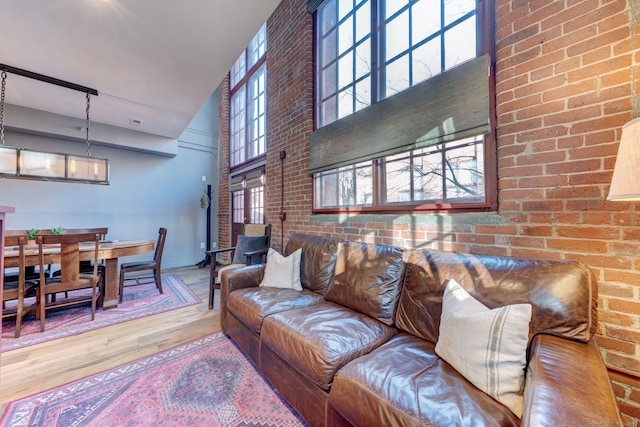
[(488, 347), (281, 271)]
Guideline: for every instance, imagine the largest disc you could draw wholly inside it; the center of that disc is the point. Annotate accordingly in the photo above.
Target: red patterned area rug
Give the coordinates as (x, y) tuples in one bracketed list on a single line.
[(207, 382), (138, 301)]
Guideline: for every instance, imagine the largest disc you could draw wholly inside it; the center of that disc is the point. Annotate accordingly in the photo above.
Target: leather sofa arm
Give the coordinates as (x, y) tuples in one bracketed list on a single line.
[(567, 384), (237, 278)]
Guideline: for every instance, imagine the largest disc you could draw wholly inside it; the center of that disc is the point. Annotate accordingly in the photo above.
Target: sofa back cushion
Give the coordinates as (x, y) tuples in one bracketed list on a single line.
[(368, 280), (318, 261), (563, 294)]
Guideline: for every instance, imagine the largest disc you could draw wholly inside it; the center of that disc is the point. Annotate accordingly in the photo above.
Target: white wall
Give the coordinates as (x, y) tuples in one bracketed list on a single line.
[(146, 191)]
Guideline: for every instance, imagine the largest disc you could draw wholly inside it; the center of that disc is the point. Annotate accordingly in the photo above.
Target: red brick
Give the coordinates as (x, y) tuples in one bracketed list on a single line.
[(618, 319), (619, 291), (587, 232), (616, 345), (577, 245), (495, 229), (625, 306), (539, 230)]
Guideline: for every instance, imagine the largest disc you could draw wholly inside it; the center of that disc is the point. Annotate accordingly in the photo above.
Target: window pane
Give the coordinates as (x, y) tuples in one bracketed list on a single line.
[(345, 70), (426, 61), (344, 7), (345, 36), (256, 213), (329, 110), (257, 113), (398, 75), (363, 94), (425, 20), (238, 70), (237, 126), (363, 59), (364, 184), (327, 15), (465, 170), (328, 84), (427, 177), (238, 206), (454, 10), (257, 46), (398, 179), (363, 22), (392, 6), (345, 103), (326, 184), (329, 48), (460, 43), (397, 36)]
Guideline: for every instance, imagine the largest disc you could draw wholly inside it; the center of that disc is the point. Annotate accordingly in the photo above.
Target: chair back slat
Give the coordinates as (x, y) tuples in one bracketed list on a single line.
[(162, 236)]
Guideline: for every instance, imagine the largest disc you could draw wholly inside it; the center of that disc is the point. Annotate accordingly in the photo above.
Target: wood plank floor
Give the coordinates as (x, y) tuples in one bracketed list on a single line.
[(37, 368)]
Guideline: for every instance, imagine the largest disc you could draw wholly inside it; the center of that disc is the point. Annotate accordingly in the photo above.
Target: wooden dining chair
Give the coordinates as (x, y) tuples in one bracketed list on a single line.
[(154, 265), (251, 248), (70, 278), (31, 272), (86, 266), (19, 289)]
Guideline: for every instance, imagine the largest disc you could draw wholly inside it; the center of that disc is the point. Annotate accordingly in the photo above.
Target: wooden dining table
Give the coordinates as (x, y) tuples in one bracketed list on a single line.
[(109, 250)]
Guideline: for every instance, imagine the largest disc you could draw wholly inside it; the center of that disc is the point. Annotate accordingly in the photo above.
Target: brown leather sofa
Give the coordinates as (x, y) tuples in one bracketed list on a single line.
[(357, 345)]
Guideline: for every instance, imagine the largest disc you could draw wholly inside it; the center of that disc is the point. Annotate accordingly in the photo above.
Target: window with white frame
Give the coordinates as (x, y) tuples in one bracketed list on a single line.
[(248, 79), (370, 50)]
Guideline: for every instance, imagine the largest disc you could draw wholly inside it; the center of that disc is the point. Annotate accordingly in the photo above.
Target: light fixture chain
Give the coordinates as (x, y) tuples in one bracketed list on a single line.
[(2, 93), (88, 125)]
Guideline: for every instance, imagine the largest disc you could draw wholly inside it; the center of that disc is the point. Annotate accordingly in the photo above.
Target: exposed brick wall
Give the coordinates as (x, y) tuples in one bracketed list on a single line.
[(224, 197), (290, 115), (567, 79)]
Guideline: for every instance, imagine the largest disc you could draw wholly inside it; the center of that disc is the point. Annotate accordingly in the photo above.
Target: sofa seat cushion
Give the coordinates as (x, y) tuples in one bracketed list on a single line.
[(404, 382), (319, 340), (252, 305)]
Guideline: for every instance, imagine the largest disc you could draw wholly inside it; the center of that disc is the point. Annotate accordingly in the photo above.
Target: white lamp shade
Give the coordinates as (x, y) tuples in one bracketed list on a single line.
[(625, 183)]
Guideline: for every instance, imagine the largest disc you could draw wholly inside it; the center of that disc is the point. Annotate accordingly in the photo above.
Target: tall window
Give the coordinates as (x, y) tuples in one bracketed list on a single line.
[(369, 50), (249, 101), (248, 144)]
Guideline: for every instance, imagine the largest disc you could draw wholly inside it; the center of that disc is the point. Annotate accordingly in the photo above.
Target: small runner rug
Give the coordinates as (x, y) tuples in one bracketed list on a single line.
[(207, 382), (138, 301)]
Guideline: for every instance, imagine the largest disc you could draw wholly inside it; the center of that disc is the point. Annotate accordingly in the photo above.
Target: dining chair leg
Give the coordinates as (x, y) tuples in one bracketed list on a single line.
[(211, 283), (41, 308), (93, 301), (158, 276), (19, 315), (121, 285)]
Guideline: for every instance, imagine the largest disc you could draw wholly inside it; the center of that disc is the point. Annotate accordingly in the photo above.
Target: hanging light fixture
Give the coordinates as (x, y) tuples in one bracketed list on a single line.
[(24, 163), (8, 155)]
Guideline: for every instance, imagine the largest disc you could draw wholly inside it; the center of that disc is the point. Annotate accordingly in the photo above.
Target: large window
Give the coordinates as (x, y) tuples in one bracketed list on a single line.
[(248, 144), (369, 50), (249, 101)]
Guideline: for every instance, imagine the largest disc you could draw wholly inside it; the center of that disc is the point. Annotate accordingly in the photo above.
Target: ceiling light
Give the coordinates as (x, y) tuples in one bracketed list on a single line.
[(23, 163)]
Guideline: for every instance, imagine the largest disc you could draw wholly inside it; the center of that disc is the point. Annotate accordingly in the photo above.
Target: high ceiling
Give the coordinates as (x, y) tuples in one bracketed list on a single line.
[(153, 62)]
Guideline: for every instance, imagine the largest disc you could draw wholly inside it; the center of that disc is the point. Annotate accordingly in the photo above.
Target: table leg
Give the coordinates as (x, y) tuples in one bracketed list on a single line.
[(110, 284)]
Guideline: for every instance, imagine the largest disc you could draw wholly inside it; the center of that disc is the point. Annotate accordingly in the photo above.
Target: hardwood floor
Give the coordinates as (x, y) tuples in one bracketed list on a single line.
[(40, 367)]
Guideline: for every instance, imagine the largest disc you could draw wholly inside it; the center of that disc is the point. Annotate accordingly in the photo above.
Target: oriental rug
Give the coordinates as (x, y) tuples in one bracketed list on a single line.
[(207, 382), (139, 301)]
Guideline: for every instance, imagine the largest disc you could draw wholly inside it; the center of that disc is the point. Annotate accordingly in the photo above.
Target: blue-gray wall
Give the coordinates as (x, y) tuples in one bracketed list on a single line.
[(147, 190)]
